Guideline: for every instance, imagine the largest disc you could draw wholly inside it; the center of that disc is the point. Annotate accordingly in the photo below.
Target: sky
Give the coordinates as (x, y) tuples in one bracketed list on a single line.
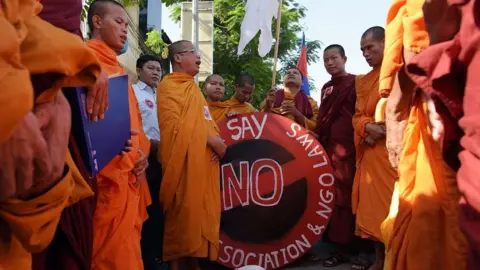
[(334, 21)]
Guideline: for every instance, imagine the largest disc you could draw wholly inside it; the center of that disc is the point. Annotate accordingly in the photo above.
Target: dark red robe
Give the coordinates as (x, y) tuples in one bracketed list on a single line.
[(449, 73), (335, 131), (72, 245)]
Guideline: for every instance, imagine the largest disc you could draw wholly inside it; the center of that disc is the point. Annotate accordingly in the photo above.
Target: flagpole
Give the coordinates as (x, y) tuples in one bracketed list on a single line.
[(277, 42)]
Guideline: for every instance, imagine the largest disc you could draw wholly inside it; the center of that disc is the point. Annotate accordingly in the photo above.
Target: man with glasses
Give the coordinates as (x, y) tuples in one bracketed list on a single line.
[(190, 149)]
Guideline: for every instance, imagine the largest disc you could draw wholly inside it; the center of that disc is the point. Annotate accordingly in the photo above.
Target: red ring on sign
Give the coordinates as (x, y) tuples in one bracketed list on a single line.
[(311, 162)]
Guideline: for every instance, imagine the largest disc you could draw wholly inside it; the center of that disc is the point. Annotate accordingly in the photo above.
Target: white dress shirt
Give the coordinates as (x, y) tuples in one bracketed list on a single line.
[(147, 102)]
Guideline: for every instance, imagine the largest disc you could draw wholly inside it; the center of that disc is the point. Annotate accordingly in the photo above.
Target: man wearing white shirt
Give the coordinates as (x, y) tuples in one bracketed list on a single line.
[(149, 73)]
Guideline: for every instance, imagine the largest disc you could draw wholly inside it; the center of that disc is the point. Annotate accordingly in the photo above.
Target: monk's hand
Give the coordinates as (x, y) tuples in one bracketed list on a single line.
[(25, 150), (218, 146), (129, 145), (269, 99), (375, 131), (55, 123), (369, 141), (97, 98), (435, 121), (289, 108), (232, 114), (141, 165)]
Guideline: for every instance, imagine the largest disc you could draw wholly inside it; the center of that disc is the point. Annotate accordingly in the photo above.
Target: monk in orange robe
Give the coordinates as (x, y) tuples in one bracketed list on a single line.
[(422, 230), (374, 177), (37, 181), (189, 152), (122, 192), (447, 71), (71, 247), (292, 102), (237, 104)]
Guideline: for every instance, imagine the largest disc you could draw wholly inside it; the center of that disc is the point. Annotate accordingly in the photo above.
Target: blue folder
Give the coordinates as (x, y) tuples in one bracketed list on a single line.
[(99, 142)]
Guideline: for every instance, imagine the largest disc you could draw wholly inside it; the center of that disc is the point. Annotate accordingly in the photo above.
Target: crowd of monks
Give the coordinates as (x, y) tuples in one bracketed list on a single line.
[(403, 140)]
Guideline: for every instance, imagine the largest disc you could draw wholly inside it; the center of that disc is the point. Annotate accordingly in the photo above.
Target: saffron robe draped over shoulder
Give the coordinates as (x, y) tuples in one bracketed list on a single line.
[(374, 177), (219, 109), (335, 131), (405, 29), (72, 245), (190, 190), (448, 73), (289, 98), (422, 230), (121, 206), (29, 226)]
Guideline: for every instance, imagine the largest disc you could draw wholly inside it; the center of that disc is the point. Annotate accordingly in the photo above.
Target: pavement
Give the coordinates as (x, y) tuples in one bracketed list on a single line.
[(322, 250)]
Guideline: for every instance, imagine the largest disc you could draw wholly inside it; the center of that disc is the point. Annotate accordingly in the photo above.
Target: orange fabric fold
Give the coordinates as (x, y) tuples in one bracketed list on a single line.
[(121, 206), (28, 226), (405, 29), (374, 178), (190, 190), (219, 109), (424, 234), (311, 122)]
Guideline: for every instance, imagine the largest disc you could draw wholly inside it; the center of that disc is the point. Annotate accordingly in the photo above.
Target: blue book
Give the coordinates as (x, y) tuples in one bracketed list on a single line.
[(99, 142)]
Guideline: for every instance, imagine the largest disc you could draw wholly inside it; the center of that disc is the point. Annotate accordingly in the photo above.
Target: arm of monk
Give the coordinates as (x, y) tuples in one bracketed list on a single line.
[(311, 122), (33, 221), (360, 120)]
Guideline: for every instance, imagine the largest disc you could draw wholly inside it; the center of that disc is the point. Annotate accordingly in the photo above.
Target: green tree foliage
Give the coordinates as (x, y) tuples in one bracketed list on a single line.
[(227, 21)]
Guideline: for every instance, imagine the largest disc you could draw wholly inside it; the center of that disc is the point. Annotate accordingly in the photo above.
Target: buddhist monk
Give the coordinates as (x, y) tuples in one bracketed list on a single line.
[(238, 103), (71, 247), (35, 137), (291, 101), (422, 230), (189, 152), (214, 89), (375, 177), (122, 193), (335, 133), (453, 96)]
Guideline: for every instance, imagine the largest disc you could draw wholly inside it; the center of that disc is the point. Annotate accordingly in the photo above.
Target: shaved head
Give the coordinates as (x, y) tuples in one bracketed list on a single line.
[(184, 57), (99, 8), (377, 32), (177, 47)]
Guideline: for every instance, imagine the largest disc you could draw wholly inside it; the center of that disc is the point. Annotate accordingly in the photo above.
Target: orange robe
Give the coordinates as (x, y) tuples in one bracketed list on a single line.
[(190, 190), (375, 177), (311, 122), (422, 229), (29, 226), (121, 206), (219, 109)]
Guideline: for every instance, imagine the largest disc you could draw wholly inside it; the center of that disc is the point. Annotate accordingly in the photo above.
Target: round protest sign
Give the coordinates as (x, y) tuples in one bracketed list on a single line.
[(277, 191)]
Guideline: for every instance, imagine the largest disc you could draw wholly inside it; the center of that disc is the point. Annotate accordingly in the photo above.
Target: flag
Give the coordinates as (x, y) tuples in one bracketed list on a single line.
[(258, 17), (302, 66)]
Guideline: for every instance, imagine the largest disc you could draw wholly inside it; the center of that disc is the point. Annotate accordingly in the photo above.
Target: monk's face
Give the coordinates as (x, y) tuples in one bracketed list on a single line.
[(150, 73), (188, 59), (334, 62), (112, 27), (292, 78), (372, 50), (215, 88), (243, 93)]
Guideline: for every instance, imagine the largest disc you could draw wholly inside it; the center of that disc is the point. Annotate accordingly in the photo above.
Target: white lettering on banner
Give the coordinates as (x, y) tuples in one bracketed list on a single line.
[(247, 186), (239, 258), (240, 126), (306, 140)]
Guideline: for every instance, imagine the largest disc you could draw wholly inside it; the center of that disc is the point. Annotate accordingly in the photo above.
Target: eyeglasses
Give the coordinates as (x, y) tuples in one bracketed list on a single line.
[(190, 51)]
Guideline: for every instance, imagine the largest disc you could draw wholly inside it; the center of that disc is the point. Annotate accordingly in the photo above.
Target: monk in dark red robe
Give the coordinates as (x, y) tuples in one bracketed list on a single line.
[(335, 132), (72, 245), (447, 72)]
